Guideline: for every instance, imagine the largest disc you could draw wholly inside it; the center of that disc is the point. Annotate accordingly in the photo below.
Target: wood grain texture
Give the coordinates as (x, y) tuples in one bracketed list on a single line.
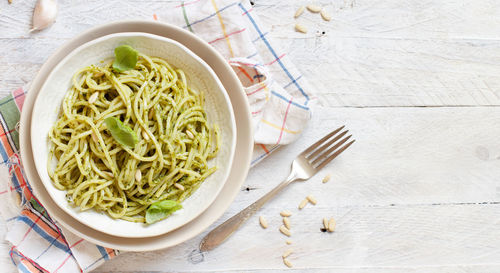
[(401, 202), (395, 53), (372, 53), (419, 190)]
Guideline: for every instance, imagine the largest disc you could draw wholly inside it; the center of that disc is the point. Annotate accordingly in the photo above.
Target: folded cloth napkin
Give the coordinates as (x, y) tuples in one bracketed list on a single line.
[(278, 96)]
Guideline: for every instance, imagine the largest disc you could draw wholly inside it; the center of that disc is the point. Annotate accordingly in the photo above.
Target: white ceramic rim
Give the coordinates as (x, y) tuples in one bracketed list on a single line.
[(244, 142), (103, 222)]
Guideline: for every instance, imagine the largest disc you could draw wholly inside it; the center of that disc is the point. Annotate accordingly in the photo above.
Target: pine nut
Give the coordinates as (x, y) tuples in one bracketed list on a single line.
[(285, 231), (300, 28), (288, 242), (326, 178), (179, 186), (303, 203), (94, 137), (287, 263), (331, 225), (263, 222), (151, 113), (189, 134), (325, 15), (299, 12), (325, 223), (286, 221), (18, 199), (110, 174), (287, 253), (93, 97), (314, 8), (145, 135), (312, 200), (98, 74), (285, 213), (138, 175)]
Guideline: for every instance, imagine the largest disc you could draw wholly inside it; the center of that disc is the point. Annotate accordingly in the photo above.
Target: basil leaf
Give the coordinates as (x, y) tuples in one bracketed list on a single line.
[(125, 58), (121, 132), (161, 210)]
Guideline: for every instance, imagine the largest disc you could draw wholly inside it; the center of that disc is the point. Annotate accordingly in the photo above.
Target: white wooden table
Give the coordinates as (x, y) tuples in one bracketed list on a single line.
[(418, 84)]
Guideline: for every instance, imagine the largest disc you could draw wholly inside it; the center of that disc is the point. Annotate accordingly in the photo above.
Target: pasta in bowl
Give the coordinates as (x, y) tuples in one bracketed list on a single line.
[(134, 144)]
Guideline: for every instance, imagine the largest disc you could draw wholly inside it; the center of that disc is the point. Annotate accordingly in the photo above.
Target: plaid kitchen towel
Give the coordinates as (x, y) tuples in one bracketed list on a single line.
[(279, 99), (279, 96), (38, 243)]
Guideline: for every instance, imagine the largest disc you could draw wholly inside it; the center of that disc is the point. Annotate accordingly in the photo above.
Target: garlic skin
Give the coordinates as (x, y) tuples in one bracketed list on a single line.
[(45, 14)]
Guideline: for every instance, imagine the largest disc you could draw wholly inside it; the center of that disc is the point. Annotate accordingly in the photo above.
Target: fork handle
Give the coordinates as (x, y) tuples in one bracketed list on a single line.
[(224, 230)]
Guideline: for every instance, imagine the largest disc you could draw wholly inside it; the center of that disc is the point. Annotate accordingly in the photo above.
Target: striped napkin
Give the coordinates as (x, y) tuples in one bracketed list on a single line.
[(277, 94)]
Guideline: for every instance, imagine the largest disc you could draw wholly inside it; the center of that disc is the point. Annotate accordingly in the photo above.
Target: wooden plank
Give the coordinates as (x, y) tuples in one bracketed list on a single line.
[(423, 269), (393, 53), (384, 237), (412, 19), (76, 16), (414, 193), (15, 75), (401, 155), (373, 53), (350, 83)]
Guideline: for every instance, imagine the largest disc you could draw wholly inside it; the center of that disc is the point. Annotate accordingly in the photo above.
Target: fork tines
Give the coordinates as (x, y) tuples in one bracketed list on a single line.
[(326, 149)]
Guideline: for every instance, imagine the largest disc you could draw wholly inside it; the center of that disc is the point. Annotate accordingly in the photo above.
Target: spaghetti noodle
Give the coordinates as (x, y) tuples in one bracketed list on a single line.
[(169, 159)]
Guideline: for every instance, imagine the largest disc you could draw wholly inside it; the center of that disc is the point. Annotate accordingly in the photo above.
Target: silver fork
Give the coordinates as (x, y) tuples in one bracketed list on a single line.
[(305, 166)]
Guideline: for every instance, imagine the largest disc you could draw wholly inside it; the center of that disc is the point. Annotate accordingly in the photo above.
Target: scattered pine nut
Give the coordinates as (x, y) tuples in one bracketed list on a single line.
[(263, 222), (150, 114), (299, 12), (287, 253), (285, 231), (145, 135), (18, 199), (325, 223), (314, 8), (311, 199), (285, 213), (286, 221), (179, 186), (287, 263), (110, 174), (189, 134), (300, 28), (303, 203), (94, 137), (289, 242), (93, 97), (325, 15), (326, 178), (138, 175), (99, 74), (331, 225)]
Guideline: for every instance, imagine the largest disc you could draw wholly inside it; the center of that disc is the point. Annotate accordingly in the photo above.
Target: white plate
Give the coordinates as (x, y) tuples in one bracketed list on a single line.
[(241, 162), (199, 76)]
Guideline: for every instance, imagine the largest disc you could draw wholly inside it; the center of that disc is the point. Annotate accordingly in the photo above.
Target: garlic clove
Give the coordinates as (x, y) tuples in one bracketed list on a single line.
[(45, 14)]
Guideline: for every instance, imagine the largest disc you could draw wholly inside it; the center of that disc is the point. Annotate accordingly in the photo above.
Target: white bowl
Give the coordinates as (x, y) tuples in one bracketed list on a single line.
[(199, 75)]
